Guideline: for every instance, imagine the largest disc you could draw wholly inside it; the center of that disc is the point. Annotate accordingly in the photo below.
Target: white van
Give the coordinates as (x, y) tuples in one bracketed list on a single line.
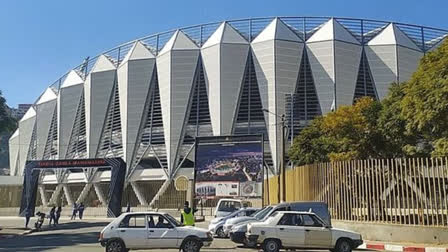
[(228, 206)]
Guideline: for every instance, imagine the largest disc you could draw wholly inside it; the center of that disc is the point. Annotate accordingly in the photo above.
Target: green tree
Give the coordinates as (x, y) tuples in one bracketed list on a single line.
[(425, 102), (7, 123)]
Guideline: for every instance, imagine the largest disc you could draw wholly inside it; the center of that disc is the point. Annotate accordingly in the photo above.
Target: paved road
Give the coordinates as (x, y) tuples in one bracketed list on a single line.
[(80, 236)]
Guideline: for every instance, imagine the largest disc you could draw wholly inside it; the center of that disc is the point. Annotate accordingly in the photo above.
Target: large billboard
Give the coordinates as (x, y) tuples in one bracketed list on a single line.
[(229, 166)]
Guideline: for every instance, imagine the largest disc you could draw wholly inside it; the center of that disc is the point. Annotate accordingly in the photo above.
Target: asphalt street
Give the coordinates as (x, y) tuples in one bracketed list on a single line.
[(80, 236)]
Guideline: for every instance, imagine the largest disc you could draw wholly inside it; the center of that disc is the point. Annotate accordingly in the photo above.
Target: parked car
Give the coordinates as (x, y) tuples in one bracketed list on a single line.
[(152, 230), (238, 232), (228, 206), (257, 216), (216, 225), (293, 229)]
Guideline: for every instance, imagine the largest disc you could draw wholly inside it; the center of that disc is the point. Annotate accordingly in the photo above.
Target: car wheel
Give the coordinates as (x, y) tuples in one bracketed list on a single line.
[(191, 245), (343, 245), (271, 246), (220, 233), (115, 246)]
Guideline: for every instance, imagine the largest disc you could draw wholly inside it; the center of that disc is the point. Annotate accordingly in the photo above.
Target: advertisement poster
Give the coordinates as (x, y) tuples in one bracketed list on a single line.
[(229, 166)]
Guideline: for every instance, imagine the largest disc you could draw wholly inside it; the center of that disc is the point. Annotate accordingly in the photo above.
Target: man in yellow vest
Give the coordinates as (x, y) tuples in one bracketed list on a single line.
[(187, 215)]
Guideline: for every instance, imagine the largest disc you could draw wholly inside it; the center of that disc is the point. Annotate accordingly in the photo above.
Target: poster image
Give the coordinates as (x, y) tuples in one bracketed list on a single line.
[(229, 168)]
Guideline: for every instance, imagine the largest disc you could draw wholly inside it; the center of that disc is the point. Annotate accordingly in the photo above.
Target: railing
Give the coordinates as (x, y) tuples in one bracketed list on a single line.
[(397, 191), (362, 29)]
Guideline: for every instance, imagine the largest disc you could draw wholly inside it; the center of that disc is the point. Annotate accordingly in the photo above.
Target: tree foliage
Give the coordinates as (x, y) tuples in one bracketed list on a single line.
[(411, 121), (7, 123)]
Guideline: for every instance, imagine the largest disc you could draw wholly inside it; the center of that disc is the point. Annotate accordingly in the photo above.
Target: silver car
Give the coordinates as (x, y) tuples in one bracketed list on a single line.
[(216, 225)]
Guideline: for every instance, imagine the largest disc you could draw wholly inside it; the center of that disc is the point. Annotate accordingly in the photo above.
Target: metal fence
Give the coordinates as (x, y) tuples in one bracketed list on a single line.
[(395, 191)]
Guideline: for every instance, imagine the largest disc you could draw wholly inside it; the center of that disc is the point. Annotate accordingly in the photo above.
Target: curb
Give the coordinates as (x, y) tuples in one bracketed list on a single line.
[(400, 248)]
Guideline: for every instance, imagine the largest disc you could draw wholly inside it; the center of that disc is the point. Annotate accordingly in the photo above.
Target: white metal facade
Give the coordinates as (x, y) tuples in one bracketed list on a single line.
[(147, 103)]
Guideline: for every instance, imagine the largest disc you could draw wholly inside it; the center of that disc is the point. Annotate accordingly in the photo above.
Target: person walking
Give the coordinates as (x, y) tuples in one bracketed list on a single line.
[(81, 210), (58, 214), (75, 209), (187, 215), (128, 208), (52, 216), (27, 217)]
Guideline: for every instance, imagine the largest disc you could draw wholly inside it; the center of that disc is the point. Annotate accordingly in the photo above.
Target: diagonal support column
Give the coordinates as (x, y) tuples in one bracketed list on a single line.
[(84, 193), (55, 195), (68, 194), (140, 195), (100, 194), (160, 192), (42, 195)]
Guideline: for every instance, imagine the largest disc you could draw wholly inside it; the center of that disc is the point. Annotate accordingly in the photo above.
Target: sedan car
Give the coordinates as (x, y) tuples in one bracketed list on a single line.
[(293, 229), (152, 230), (216, 226)]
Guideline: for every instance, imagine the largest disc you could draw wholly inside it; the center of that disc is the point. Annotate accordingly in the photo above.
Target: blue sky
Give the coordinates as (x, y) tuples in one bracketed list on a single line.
[(42, 40)]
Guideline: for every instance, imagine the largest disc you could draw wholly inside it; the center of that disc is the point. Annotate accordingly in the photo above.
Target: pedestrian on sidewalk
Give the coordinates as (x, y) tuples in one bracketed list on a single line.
[(128, 208), (58, 214), (27, 217), (75, 210), (52, 216), (81, 210)]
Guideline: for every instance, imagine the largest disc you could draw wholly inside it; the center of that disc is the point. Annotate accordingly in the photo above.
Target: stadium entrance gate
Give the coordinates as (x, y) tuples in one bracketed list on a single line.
[(33, 169)]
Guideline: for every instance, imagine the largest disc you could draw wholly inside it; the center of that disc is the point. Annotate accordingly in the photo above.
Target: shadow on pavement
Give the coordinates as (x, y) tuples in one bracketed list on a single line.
[(50, 238)]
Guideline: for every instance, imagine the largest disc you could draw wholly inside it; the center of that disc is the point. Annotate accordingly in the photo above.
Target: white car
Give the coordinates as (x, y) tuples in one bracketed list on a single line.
[(152, 230), (228, 206), (216, 226), (292, 229)]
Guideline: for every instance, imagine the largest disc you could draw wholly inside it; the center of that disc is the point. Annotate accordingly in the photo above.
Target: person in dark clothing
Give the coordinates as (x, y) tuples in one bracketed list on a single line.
[(75, 210), (161, 224), (128, 208), (58, 214), (187, 215), (52, 216), (81, 210), (27, 218)]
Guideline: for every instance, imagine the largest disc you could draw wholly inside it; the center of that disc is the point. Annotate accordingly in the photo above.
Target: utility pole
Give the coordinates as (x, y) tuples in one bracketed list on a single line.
[(282, 175)]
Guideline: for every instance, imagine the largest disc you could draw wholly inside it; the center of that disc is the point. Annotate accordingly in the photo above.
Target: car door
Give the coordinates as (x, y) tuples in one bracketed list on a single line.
[(289, 232), (161, 233), (133, 231), (316, 234)]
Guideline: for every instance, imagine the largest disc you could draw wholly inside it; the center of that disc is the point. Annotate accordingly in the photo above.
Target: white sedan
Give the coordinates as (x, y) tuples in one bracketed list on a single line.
[(152, 230), (291, 229)]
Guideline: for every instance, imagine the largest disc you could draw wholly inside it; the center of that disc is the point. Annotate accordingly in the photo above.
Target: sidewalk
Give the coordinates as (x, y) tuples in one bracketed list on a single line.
[(404, 247), (8, 232)]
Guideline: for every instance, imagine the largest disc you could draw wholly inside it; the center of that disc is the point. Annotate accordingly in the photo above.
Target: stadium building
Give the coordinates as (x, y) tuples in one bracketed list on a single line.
[(148, 99)]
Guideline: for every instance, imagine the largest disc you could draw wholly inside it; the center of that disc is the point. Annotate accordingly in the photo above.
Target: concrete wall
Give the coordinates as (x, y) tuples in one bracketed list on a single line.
[(396, 233)]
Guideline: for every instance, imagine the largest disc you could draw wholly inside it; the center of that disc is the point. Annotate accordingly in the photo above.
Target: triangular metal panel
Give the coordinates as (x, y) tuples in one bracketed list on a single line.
[(97, 94), (347, 57), (321, 58), (134, 79), (278, 64), (103, 63), (44, 115), (277, 30), (47, 96), (72, 79), (392, 35), (225, 34), (179, 41), (333, 30), (68, 101), (175, 70), (137, 52), (29, 113)]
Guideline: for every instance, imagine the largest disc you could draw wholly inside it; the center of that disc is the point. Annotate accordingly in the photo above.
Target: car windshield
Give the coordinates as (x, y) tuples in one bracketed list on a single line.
[(229, 206), (256, 212), (173, 220), (260, 215)]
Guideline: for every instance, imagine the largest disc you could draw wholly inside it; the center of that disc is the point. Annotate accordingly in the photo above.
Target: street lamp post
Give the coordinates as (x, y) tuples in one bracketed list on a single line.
[(282, 175)]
